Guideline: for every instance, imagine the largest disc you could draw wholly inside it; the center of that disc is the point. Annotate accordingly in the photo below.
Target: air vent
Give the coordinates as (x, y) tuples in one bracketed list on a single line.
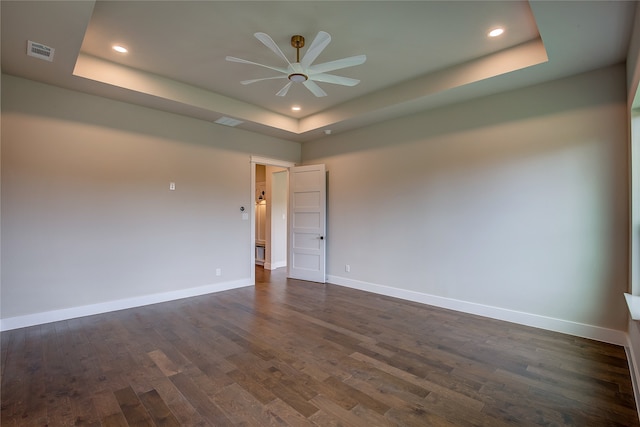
[(38, 50), (227, 121)]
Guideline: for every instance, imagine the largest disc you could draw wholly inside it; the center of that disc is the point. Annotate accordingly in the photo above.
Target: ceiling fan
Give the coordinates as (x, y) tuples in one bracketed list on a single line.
[(302, 71)]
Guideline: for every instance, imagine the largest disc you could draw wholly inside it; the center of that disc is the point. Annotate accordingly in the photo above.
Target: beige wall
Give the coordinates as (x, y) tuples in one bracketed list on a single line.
[(517, 201), (633, 79), (633, 61), (87, 215), (634, 240)]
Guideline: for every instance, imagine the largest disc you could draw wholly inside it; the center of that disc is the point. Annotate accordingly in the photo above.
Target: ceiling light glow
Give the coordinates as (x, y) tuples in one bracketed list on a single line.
[(120, 49), (496, 32), (296, 108)]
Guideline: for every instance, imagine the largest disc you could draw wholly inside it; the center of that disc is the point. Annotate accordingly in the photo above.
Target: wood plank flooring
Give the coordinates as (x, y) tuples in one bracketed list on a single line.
[(290, 353)]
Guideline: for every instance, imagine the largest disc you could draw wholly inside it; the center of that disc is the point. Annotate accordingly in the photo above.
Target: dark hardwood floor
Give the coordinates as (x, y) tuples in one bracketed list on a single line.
[(298, 353)]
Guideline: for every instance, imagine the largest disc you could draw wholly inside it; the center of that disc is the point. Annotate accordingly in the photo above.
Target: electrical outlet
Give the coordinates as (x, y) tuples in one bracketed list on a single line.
[(347, 268), (172, 186), (218, 272)]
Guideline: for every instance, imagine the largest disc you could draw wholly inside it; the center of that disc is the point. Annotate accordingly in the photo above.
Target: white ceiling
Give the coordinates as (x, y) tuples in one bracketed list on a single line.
[(420, 54)]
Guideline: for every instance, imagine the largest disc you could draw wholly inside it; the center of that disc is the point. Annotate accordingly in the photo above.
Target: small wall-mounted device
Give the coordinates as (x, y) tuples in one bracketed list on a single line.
[(241, 208)]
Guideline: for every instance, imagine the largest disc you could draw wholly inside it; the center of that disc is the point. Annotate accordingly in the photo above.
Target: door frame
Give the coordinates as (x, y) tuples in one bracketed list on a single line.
[(257, 160)]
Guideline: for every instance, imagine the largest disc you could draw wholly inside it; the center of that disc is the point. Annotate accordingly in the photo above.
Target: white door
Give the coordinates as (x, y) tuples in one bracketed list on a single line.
[(307, 192)]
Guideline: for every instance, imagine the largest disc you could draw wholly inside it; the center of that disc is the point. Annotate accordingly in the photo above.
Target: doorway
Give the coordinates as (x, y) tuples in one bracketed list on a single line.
[(271, 216), (269, 213), (300, 212)]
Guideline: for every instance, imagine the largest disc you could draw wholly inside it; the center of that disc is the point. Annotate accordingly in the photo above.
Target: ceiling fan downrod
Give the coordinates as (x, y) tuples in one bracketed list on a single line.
[(297, 42)]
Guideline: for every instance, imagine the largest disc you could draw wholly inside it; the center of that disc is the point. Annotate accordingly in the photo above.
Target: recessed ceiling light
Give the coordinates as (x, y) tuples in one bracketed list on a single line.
[(296, 108), (120, 49), (496, 32)]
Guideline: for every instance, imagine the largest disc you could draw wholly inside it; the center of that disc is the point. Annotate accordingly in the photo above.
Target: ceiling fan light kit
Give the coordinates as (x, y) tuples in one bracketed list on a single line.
[(302, 71), (298, 77)]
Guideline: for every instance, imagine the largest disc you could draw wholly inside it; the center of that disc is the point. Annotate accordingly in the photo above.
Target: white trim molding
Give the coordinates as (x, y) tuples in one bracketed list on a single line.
[(122, 304), (633, 344), (633, 303), (610, 336), (633, 371), (274, 265), (271, 162)]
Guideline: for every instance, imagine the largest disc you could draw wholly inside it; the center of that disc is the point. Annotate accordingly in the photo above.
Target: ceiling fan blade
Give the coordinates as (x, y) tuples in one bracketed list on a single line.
[(247, 82), (336, 80), (317, 46), (268, 42), (284, 90), (314, 88), (244, 61), (337, 64)]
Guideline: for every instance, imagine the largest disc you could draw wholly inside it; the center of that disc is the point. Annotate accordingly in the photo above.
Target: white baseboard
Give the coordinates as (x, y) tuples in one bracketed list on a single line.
[(274, 265), (106, 307), (633, 344), (557, 325), (528, 319), (633, 370)]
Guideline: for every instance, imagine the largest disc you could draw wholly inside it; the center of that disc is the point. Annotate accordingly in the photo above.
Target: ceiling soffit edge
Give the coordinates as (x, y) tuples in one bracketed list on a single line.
[(512, 59), (516, 58)]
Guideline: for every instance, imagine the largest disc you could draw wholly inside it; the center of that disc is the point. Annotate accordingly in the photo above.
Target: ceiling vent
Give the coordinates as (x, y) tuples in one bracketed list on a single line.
[(38, 50), (227, 121)]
